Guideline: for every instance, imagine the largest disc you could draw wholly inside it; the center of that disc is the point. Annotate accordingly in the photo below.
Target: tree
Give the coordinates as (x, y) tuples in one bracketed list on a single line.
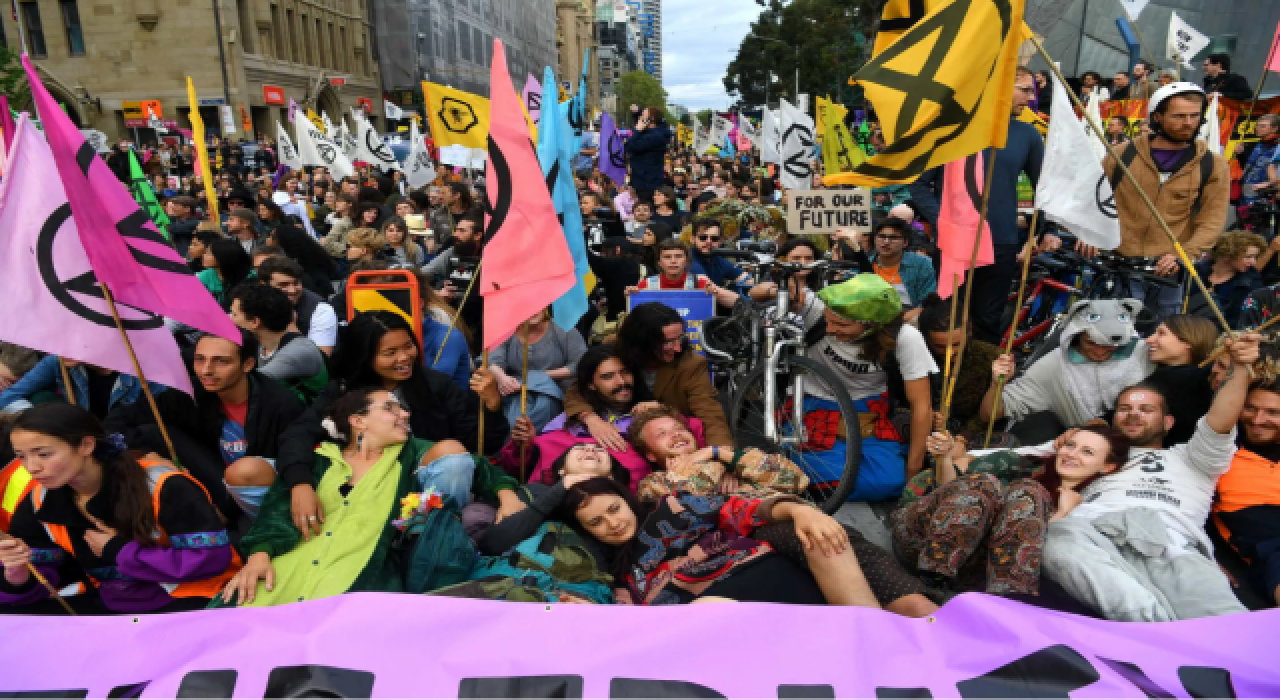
[(704, 117), (13, 80), (832, 40), (640, 89)]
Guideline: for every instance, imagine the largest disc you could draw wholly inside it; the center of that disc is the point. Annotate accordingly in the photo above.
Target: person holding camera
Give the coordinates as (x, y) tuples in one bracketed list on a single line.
[(645, 149)]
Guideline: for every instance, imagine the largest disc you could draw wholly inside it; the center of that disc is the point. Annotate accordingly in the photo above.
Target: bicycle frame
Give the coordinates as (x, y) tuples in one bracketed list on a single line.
[(1039, 329), (772, 345)]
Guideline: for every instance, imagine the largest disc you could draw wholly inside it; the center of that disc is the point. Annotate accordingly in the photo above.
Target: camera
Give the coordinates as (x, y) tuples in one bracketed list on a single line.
[(601, 224)]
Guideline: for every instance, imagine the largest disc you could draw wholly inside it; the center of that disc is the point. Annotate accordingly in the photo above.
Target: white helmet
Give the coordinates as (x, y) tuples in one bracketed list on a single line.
[(1164, 93)]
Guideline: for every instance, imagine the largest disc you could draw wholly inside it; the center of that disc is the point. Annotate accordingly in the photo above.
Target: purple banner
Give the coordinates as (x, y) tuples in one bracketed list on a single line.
[(386, 645), (613, 154)]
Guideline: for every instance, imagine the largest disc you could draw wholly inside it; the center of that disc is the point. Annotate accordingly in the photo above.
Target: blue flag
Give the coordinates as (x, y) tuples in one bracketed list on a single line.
[(728, 150), (556, 151)]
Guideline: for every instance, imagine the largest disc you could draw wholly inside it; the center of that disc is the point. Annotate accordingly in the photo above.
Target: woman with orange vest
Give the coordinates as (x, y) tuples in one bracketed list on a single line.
[(141, 533)]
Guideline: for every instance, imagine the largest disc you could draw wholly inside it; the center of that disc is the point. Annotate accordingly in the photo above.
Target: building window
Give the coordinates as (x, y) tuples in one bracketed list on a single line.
[(480, 46), (34, 30), (464, 40), (293, 35), (71, 20), (335, 59), (321, 55), (277, 32)]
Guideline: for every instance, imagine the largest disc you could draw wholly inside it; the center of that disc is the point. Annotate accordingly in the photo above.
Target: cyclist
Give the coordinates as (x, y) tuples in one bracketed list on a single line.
[(1189, 186), (882, 362)]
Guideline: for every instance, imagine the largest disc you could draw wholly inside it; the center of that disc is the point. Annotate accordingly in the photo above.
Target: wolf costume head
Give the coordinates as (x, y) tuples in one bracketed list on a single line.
[(1108, 322)]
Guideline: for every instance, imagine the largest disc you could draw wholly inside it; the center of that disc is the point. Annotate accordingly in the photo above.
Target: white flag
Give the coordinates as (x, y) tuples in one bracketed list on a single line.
[(748, 130), (329, 129), (1184, 41), (346, 140), (1093, 115), (372, 150), (796, 151), (720, 129), (288, 152), (1133, 7), (314, 148), (701, 138), (770, 137), (392, 111), (1073, 190), (1211, 132), (420, 171)]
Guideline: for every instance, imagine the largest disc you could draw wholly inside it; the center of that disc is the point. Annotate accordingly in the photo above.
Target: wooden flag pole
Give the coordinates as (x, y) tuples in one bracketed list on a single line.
[(1261, 79), (968, 284), (142, 378), (456, 314), (66, 381), (524, 397), (484, 364), (1013, 327), (53, 592), (951, 325), (1128, 174)]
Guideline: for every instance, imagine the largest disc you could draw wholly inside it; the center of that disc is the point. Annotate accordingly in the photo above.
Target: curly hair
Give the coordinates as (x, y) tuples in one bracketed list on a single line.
[(370, 238), (1234, 244)]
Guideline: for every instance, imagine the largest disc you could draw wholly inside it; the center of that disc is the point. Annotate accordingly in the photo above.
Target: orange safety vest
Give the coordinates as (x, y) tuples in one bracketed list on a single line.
[(1251, 481), (15, 484), (157, 474)]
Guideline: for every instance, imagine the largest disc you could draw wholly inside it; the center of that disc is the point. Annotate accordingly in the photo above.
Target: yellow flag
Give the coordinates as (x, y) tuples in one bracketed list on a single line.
[(943, 91), (898, 17), (457, 118), (1029, 116), (202, 152), (317, 120), (684, 135), (840, 153), (820, 106)]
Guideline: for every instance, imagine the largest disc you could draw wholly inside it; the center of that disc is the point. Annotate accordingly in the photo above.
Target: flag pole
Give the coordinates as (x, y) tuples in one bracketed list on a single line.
[(968, 283), (66, 381), (484, 364), (951, 325), (1164, 226), (1013, 327), (524, 396), (1262, 79), (142, 378), (452, 324), (53, 592)]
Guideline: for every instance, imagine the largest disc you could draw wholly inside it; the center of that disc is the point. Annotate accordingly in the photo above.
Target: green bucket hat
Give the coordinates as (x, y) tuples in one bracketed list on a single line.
[(866, 298)]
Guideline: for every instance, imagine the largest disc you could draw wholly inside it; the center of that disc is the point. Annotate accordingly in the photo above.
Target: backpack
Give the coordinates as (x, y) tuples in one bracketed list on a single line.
[(1131, 152), (553, 560), (436, 549)]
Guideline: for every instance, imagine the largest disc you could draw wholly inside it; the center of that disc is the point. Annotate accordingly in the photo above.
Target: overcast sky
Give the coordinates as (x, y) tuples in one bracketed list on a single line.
[(699, 39)]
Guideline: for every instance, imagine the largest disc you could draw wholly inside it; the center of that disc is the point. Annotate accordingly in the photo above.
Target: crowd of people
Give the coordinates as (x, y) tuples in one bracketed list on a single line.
[(595, 464)]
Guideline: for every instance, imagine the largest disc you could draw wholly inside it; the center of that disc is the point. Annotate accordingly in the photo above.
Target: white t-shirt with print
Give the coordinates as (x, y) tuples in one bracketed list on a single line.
[(864, 378)]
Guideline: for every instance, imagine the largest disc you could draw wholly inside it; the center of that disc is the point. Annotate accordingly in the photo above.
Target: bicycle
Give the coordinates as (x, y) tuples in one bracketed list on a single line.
[(780, 385)]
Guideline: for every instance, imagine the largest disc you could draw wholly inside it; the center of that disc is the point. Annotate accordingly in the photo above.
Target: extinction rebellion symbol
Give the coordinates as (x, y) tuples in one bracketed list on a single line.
[(457, 116)]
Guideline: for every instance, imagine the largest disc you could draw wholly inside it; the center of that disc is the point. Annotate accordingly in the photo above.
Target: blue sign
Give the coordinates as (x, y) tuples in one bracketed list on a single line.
[(694, 306)]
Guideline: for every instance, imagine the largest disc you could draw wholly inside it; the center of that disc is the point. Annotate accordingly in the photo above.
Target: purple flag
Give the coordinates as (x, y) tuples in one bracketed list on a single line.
[(54, 303), (613, 154), (144, 271), (532, 98), (293, 110), (6, 122)]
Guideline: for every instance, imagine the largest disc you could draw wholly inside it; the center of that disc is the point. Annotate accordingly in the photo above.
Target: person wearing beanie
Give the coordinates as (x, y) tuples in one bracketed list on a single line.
[(884, 364), (242, 224)]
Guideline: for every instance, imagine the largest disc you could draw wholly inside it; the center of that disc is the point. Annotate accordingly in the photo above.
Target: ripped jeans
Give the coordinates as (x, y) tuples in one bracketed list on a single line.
[(449, 475)]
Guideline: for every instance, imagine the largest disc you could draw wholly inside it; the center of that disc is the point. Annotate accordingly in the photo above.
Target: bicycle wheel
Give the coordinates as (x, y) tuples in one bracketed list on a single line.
[(831, 479)]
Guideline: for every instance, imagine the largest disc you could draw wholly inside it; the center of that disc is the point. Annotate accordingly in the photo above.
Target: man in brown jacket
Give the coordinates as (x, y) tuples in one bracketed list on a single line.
[(652, 344), (1189, 186)]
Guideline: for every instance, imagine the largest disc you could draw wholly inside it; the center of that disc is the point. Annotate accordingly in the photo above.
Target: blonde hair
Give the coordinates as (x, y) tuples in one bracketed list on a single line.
[(1234, 244), (1199, 333), (370, 238)]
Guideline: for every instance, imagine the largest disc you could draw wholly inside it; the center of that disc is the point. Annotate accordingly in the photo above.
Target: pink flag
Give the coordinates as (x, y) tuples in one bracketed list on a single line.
[(958, 221), (532, 98), (145, 272), (6, 122), (52, 299), (1273, 58), (526, 263)]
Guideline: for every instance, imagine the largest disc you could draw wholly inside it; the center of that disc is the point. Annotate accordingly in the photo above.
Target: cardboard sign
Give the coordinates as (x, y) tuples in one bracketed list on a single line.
[(823, 211)]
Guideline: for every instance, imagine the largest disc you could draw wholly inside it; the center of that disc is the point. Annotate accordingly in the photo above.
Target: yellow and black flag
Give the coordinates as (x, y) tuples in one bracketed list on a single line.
[(457, 118), (840, 153), (942, 91), (898, 17)]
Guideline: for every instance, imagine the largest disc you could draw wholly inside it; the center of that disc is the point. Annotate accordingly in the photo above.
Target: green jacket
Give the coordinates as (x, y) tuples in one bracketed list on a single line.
[(274, 533)]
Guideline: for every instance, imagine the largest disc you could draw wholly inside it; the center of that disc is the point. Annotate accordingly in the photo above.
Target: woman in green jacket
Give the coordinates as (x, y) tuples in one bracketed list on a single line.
[(360, 478)]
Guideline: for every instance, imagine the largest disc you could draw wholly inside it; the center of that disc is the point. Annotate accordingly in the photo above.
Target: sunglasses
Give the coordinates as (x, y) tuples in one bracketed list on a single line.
[(713, 239)]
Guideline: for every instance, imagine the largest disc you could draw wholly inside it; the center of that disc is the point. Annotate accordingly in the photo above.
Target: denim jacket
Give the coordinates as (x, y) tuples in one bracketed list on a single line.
[(46, 376), (917, 276)]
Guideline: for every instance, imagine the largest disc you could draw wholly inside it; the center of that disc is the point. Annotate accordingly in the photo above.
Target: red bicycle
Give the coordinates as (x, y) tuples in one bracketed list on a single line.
[(1045, 300)]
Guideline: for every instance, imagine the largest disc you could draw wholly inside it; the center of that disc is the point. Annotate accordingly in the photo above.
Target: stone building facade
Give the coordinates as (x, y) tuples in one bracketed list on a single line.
[(576, 33), (101, 57)]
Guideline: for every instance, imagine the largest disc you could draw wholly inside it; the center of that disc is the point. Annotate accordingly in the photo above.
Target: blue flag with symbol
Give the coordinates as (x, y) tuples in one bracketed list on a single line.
[(556, 151)]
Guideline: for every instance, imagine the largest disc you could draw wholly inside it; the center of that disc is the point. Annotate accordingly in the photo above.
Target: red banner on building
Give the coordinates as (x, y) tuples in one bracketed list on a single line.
[(273, 94)]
